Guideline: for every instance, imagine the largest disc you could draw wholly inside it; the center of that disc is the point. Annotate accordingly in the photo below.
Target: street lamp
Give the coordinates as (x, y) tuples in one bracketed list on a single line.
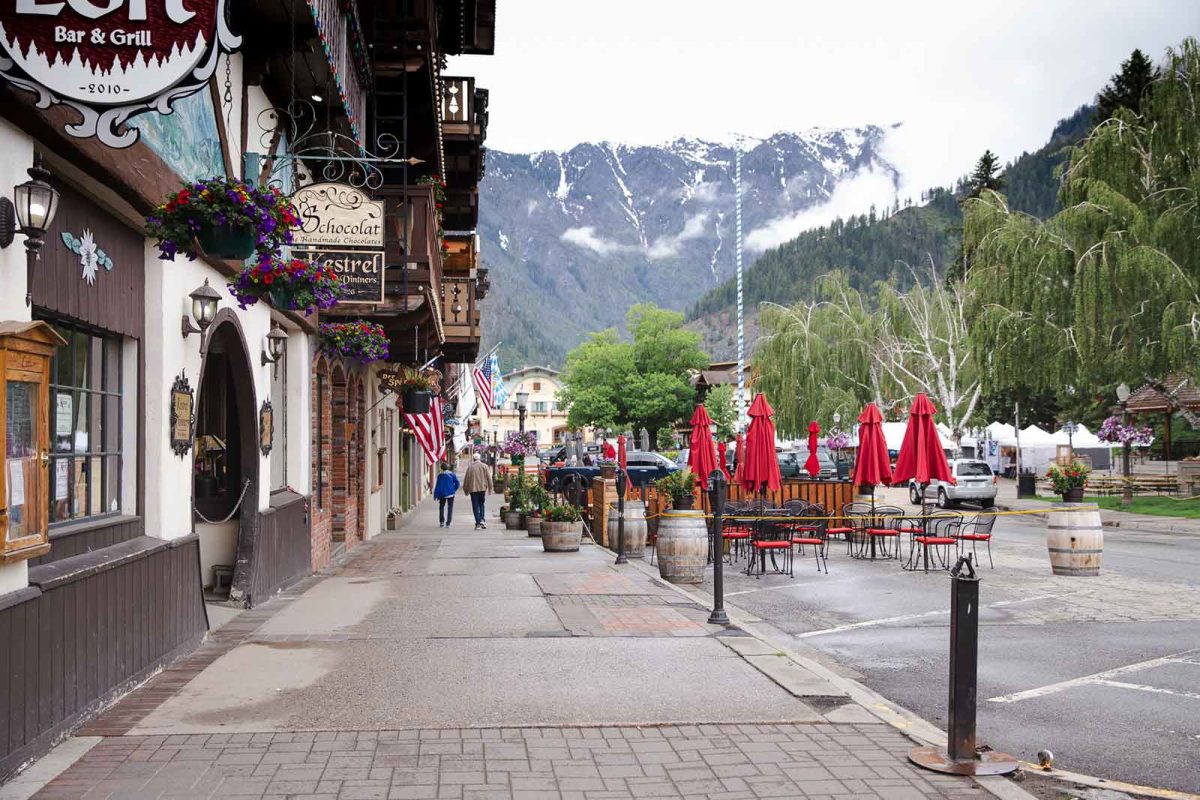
[(36, 201), (276, 342), (1071, 427), (522, 405), (1126, 487)]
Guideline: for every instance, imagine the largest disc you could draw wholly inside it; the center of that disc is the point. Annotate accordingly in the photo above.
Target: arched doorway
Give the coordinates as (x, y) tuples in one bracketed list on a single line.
[(226, 463)]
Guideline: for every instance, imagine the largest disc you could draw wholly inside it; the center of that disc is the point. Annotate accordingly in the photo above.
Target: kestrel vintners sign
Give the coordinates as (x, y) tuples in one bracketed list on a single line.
[(360, 272), (337, 215), (112, 59)]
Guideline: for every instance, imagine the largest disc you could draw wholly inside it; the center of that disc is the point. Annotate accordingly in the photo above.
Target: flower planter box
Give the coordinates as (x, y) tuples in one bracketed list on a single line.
[(561, 537), (1073, 495), (226, 242), (512, 520), (415, 401), (533, 525)]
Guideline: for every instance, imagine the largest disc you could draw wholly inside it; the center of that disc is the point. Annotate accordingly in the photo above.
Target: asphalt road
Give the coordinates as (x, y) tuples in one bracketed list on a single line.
[(1105, 672)]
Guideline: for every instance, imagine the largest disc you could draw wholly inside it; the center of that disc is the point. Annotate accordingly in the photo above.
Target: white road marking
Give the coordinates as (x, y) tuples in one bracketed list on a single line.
[(871, 623), (1098, 677), (1143, 688)]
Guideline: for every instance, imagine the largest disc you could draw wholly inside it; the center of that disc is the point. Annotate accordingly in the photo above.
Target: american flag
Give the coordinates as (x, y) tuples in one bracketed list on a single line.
[(483, 384), (430, 430)]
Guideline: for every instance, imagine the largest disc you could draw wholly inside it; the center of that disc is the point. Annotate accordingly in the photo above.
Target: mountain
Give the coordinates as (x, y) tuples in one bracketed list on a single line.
[(872, 247), (574, 238)]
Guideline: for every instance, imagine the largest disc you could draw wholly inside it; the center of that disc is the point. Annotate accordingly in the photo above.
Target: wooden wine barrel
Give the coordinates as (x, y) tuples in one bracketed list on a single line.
[(561, 537), (682, 546), (512, 520), (1075, 539), (635, 528), (533, 525)]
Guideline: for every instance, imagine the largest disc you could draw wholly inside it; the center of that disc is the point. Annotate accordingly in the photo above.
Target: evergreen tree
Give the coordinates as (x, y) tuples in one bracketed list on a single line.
[(1128, 88), (985, 175)]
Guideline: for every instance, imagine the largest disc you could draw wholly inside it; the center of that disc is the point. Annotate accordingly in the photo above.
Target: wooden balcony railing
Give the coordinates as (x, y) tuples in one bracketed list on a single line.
[(460, 310)]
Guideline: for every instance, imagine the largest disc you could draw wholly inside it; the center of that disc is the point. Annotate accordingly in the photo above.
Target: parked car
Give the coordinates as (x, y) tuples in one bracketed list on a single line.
[(975, 482), (791, 464), (682, 459), (643, 467), (560, 453)]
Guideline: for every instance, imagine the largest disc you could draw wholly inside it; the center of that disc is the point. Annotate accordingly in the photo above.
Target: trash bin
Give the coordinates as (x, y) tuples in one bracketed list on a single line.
[(1026, 485)]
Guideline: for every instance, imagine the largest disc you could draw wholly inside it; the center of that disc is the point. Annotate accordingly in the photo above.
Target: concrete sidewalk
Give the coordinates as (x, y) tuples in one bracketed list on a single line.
[(463, 664)]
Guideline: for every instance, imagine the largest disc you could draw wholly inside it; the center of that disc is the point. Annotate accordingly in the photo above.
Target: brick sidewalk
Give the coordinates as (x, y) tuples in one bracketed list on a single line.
[(379, 679), (730, 762)]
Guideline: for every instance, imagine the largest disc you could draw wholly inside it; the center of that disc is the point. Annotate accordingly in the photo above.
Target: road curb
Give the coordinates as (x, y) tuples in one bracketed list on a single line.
[(897, 716)]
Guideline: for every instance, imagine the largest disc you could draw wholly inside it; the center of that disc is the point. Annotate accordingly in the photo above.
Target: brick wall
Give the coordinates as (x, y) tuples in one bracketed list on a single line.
[(321, 508)]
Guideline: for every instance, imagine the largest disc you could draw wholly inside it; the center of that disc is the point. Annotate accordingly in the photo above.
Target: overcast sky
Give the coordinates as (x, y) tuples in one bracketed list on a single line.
[(962, 76)]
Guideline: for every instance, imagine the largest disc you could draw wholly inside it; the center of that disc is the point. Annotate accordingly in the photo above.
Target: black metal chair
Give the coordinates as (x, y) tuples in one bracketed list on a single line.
[(884, 532), (812, 533), (978, 529), (771, 536)]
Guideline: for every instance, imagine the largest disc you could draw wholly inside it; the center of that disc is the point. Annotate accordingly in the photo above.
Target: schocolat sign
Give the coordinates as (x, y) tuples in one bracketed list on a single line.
[(112, 59), (337, 215)]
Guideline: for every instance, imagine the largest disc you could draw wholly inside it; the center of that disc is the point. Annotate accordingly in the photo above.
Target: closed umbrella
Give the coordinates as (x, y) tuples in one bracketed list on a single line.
[(722, 457), (622, 458), (761, 470), (739, 456), (872, 465), (645, 439), (921, 457), (812, 465), (701, 458)]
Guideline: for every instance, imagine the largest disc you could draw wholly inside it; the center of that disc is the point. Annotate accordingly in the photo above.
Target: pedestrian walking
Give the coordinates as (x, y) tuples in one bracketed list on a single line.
[(607, 450), (476, 483), (444, 490)]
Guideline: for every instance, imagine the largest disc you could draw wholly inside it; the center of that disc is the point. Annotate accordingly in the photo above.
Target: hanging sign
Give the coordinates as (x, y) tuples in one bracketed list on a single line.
[(337, 215), (360, 272), (110, 61), (390, 382)]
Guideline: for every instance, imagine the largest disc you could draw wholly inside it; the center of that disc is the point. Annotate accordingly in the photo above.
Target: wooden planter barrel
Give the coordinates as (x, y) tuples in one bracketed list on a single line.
[(561, 537), (1075, 539), (533, 525), (635, 528), (682, 546), (512, 520)]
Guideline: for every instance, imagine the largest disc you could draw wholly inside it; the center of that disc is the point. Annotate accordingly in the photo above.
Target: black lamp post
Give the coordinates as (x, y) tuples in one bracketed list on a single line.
[(36, 202), (522, 405), (1126, 487), (622, 485), (717, 487)]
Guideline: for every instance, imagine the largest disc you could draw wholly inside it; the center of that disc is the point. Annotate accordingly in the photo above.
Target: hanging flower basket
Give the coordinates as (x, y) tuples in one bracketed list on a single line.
[(518, 444), (360, 340), (415, 401), (295, 284), (229, 218)]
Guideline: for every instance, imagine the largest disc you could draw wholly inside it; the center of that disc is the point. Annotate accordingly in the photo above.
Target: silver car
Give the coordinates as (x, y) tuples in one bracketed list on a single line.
[(975, 483)]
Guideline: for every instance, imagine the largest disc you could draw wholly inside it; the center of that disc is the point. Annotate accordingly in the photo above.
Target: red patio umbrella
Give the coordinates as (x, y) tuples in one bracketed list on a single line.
[(812, 465), (872, 465), (921, 457), (722, 456), (622, 457), (761, 470), (701, 458)]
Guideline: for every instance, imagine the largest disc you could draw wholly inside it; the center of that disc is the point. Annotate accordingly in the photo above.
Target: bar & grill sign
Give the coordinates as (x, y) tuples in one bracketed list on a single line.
[(112, 59), (341, 228)]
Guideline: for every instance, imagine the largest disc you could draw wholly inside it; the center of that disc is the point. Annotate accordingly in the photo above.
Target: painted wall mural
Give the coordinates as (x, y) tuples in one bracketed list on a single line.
[(187, 138)]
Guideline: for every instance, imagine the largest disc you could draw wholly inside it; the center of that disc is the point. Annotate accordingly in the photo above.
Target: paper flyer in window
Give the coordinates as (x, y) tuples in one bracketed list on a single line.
[(16, 481), (60, 478)]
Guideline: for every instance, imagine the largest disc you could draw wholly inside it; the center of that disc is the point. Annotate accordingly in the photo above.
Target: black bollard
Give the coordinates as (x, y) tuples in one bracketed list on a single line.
[(716, 495), (622, 484), (959, 757)]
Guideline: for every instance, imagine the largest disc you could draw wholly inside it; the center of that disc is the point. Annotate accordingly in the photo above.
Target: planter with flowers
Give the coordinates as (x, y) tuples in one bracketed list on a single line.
[(608, 467), (562, 528), (229, 218), (1069, 481), (294, 284), (416, 390), (517, 445), (360, 340)]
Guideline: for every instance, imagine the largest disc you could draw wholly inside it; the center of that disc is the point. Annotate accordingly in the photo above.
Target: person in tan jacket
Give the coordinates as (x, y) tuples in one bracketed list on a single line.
[(476, 483)]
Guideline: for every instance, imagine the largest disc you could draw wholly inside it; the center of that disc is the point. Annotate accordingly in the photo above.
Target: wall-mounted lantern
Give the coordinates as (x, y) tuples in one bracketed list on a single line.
[(204, 310), (34, 202)]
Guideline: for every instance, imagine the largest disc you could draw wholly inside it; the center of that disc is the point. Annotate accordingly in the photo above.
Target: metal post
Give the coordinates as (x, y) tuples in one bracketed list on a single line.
[(1127, 489), (717, 488), (959, 756), (622, 485)]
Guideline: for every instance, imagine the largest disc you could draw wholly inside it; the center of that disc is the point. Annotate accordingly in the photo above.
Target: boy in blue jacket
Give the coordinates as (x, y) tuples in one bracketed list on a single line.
[(444, 490)]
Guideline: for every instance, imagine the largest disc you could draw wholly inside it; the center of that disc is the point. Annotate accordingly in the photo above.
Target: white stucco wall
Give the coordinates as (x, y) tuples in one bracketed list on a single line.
[(18, 156)]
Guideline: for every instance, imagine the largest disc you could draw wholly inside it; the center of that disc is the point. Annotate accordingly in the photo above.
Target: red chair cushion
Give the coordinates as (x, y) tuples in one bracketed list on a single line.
[(975, 537), (839, 530), (883, 532), (935, 540), (807, 528), (807, 541), (772, 545), (736, 535)]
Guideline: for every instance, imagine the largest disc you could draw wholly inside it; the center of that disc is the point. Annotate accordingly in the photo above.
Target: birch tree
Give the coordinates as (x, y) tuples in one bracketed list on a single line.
[(846, 349)]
